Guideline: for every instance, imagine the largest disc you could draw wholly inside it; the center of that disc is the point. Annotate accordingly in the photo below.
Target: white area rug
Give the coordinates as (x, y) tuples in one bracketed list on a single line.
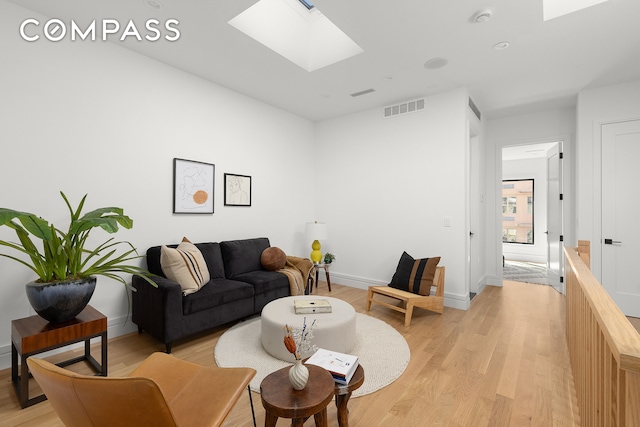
[(383, 352)]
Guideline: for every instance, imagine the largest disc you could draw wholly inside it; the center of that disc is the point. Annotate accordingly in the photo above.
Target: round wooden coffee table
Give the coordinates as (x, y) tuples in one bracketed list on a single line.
[(343, 393), (280, 400)]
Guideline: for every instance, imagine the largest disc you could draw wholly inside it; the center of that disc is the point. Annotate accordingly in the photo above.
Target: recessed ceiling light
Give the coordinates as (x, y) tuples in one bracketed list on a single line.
[(154, 4), (482, 16), (501, 46), (435, 63)]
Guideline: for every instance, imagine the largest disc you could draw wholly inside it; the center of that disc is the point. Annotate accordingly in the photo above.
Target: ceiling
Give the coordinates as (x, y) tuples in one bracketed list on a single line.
[(545, 66), (529, 151)]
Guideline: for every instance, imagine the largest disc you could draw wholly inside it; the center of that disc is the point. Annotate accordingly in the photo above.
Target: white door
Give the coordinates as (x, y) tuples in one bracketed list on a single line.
[(620, 210), (554, 217), (474, 215)]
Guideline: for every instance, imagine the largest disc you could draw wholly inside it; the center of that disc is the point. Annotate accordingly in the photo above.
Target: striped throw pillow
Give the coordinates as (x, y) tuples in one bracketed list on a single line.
[(415, 275), (185, 265)]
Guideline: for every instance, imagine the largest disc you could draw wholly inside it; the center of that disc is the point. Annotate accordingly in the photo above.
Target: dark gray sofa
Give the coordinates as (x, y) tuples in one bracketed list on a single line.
[(239, 287)]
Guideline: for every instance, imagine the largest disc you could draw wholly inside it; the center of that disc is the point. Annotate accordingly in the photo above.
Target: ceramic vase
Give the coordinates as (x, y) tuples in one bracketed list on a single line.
[(298, 375)]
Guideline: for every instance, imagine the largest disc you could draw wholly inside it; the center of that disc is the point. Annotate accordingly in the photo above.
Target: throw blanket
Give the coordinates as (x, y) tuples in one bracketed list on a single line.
[(297, 271)]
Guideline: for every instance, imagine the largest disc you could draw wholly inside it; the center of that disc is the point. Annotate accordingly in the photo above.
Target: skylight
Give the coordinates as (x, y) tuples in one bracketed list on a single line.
[(304, 36), (307, 4), (555, 8)]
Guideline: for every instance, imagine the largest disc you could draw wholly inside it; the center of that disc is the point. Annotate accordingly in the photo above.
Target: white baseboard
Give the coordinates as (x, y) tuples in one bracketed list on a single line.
[(481, 286), (461, 302), (5, 356), (494, 280), (356, 282), (115, 328), (540, 259)]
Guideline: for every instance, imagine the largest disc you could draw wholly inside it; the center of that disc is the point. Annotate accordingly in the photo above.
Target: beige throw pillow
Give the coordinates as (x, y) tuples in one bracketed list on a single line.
[(185, 265)]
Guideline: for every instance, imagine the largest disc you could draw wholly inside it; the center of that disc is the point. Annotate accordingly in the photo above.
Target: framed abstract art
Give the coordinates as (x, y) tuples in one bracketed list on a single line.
[(193, 187)]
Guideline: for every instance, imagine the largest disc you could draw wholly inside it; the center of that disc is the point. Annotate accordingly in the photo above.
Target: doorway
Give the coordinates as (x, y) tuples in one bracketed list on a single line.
[(619, 239), (536, 257)]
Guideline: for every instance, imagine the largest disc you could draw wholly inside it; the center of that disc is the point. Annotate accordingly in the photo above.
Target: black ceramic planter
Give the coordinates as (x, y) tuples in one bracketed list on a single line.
[(60, 301)]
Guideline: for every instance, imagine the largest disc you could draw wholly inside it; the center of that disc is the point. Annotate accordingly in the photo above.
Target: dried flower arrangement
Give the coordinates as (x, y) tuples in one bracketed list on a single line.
[(298, 340)]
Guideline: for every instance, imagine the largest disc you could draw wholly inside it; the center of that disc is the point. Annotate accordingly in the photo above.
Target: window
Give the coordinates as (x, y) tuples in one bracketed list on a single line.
[(298, 31), (509, 235), (307, 4), (517, 211), (555, 8), (509, 205)]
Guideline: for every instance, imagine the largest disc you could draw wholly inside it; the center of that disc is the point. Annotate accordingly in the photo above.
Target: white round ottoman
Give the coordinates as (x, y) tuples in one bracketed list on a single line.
[(333, 331)]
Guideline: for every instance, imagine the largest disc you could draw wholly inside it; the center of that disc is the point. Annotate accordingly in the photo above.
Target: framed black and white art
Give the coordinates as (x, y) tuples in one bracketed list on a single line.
[(237, 190)]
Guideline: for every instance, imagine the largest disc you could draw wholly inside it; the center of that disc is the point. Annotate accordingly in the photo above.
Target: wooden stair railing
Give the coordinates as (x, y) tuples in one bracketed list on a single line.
[(584, 251), (604, 349)]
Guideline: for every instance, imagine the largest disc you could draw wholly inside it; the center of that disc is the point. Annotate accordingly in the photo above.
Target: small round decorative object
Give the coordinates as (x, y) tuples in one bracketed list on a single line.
[(273, 258), (298, 375)]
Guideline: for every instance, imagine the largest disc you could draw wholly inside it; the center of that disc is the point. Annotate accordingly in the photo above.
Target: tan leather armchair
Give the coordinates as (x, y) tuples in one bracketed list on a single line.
[(162, 391)]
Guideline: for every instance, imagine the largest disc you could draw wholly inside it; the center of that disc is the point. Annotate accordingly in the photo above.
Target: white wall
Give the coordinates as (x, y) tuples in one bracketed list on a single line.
[(384, 186), (535, 169), (544, 126), (96, 118), (595, 108)]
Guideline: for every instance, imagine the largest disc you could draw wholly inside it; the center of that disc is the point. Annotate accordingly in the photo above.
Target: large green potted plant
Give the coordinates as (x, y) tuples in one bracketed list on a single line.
[(66, 269)]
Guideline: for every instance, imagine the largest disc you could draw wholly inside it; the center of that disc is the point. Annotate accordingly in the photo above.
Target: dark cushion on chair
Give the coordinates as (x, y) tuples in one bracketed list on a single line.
[(415, 275), (243, 256)]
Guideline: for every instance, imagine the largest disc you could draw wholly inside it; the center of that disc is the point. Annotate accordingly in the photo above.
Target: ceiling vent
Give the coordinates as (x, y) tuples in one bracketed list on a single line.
[(362, 92), (404, 108)]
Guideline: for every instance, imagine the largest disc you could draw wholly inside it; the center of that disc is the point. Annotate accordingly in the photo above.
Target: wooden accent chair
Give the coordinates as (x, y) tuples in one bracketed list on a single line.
[(162, 391), (410, 300)]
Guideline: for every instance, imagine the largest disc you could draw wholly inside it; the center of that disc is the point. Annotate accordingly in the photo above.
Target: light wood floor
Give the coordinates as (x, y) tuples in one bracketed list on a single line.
[(503, 362)]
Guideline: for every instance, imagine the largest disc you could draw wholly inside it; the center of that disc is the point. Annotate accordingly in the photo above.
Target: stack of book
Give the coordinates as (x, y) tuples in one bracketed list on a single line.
[(341, 366), (310, 306)]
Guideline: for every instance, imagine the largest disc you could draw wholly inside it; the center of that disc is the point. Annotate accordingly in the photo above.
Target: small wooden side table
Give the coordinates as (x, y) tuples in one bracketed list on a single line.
[(316, 268), (343, 393), (281, 400), (34, 335)]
